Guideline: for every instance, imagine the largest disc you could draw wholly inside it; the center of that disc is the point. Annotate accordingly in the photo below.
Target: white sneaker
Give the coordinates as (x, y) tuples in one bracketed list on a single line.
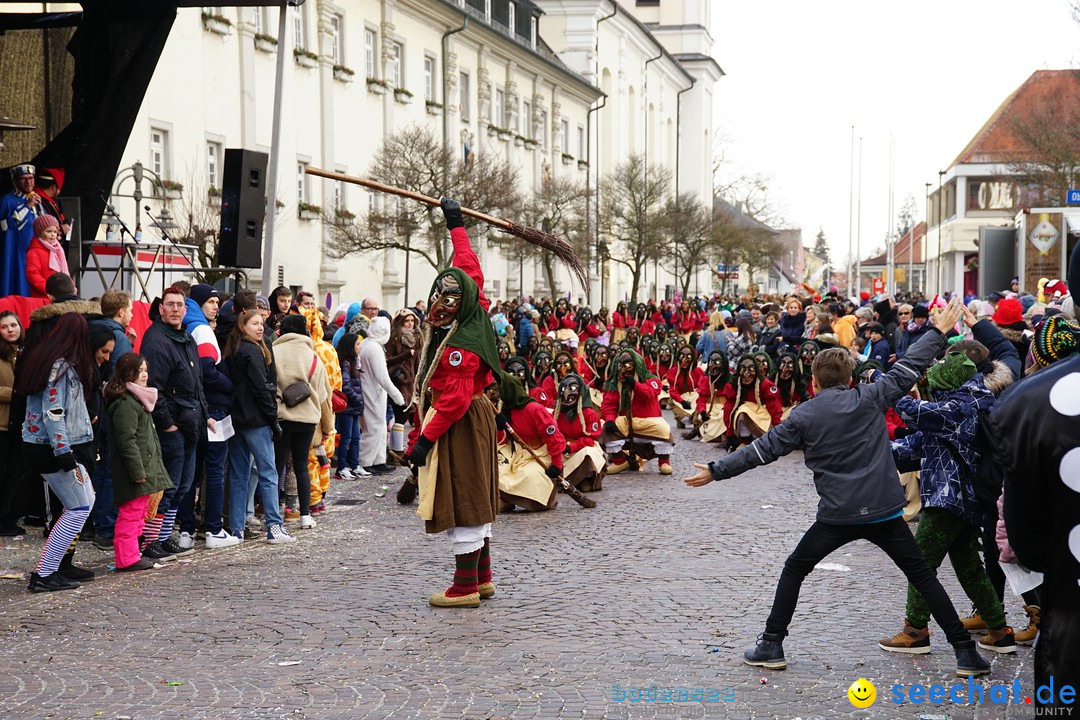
[(221, 539), (346, 474), (307, 522), (187, 541), (278, 534), (360, 472)]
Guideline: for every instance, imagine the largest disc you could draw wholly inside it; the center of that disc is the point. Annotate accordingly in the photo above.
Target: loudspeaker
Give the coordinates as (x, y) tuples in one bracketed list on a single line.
[(243, 207)]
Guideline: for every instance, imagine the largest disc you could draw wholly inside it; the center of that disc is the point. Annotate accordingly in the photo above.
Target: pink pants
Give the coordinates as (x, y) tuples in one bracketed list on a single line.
[(129, 523)]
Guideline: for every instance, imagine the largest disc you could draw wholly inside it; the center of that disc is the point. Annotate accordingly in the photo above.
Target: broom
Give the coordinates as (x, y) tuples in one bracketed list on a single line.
[(561, 248)]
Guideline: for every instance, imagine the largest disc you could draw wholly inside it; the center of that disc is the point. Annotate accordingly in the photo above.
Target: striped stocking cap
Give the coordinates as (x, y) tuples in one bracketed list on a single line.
[(1057, 338)]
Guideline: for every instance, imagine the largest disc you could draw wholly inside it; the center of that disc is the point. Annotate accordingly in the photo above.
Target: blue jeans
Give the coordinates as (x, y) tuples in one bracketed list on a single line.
[(248, 443), (210, 457), (348, 453), (103, 516), (178, 454)]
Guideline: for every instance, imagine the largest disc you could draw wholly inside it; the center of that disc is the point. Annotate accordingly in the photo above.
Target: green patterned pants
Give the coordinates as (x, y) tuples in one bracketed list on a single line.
[(940, 533)]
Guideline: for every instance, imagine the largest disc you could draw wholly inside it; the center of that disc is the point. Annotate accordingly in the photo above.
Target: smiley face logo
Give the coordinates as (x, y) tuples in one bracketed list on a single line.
[(862, 693)]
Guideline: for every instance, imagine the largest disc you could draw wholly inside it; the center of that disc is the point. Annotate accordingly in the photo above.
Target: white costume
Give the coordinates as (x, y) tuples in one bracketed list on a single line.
[(375, 383)]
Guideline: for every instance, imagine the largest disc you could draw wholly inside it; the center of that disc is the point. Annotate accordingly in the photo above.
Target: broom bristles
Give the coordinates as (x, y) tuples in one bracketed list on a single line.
[(561, 248)]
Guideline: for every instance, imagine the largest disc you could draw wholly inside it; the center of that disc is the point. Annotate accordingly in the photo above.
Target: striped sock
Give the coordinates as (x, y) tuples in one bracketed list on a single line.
[(150, 531), (464, 574), (60, 539), (167, 521), (483, 565)]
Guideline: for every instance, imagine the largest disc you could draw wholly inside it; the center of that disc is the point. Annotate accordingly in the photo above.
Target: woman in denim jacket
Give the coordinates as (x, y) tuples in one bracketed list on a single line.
[(59, 439)]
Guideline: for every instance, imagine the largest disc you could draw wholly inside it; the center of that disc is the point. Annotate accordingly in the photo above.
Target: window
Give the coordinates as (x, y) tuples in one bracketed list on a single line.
[(336, 43), (339, 194), (299, 36), (526, 119), (532, 29), (463, 87), (429, 78), (213, 164), (564, 135), (369, 53), (581, 143), (513, 17), (159, 152), (301, 182), (257, 20), (397, 58), (499, 108)]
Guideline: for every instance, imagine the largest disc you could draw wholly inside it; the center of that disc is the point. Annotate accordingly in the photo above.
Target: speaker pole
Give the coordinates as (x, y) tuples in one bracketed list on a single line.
[(275, 147)]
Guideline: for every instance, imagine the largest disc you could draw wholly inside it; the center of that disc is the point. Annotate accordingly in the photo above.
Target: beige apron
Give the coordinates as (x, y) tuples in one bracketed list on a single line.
[(679, 411), (524, 477), (714, 427), (593, 453), (757, 415)]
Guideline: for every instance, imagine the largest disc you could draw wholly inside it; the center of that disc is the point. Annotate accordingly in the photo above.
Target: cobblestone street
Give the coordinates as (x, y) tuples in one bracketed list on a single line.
[(590, 604)]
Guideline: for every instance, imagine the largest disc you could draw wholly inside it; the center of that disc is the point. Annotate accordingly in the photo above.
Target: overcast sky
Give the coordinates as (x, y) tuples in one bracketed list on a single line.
[(800, 74)]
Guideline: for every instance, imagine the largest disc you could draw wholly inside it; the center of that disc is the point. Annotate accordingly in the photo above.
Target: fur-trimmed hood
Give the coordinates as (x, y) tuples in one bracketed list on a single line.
[(55, 310), (998, 378), (1012, 334)]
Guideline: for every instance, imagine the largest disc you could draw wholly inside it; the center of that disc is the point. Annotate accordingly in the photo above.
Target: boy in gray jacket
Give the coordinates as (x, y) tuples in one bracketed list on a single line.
[(856, 480)]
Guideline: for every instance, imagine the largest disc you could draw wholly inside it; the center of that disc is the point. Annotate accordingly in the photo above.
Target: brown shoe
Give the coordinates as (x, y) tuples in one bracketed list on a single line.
[(486, 590), (910, 640), (1000, 641), (441, 599), (1027, 635), (974, 623)]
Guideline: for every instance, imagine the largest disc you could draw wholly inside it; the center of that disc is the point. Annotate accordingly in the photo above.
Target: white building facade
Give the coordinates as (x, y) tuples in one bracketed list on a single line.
[(358, 70)]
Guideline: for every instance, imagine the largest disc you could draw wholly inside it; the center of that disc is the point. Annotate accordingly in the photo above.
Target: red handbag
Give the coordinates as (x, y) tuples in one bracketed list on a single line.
[(340, 402)]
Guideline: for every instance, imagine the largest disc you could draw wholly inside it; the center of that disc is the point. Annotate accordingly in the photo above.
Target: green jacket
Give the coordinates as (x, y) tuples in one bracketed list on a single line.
[(134, 451)]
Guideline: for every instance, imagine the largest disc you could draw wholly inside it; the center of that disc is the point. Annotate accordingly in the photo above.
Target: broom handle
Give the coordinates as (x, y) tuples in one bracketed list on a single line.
[(490, 220)]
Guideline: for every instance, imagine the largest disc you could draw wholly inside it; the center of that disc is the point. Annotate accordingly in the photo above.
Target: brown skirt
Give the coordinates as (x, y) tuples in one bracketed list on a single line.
[(467, 472)]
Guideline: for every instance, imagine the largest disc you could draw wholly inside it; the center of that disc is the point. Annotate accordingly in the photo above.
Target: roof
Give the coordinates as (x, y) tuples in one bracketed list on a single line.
[(900, 255), (997, 140)]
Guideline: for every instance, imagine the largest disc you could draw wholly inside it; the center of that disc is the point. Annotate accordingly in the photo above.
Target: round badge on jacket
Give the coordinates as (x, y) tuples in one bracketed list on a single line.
[(456, 358)]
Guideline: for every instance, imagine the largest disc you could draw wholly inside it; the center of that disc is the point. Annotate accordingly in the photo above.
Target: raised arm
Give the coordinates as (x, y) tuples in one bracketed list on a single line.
[(896, 383), (464, 255)]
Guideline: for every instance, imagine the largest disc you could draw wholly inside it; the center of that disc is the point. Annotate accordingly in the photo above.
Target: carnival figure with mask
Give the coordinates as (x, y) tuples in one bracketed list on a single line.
[(713, 388), (683, 380), (579, 423), (634, 430), (536, 450), (453, 443)]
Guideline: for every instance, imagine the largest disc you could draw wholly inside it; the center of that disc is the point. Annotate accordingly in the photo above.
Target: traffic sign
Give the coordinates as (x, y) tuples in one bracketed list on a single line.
[(1072, 197)]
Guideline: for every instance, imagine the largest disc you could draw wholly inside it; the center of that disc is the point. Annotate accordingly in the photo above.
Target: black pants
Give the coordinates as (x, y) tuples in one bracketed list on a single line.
[(10, 474), (892, 536), (295, 441)]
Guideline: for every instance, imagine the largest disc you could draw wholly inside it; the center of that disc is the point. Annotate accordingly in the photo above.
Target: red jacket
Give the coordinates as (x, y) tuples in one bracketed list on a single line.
[(539, 395), (771, 400), (644, 402), (550, 391), (705, 393), (461, 374), (617, 319), (687, 382), (575, 436), (37, 268), (535, 426), (592, 330)]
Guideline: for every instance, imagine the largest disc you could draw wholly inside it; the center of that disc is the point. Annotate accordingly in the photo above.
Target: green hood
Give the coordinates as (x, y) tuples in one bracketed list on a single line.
[(641, 373), (513, 395), (471, 330), (953, 372)]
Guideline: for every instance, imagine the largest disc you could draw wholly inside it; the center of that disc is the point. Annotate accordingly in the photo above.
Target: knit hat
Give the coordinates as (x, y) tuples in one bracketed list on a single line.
[(293, 324), (1009, 311), (1026, 301), (202, 292), (1056, 339), (952, 372), (43, 223), (262, 302), (920, 311)]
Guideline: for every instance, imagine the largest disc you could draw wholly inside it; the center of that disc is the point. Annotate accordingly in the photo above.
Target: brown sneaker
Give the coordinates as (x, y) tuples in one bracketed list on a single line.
[(974, 623), (441, 599), (1027, 635), (1000, 641), (910, 640)]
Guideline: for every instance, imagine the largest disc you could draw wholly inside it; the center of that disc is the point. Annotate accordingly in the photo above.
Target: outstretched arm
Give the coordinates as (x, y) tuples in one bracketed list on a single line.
[(464, 255), (774, 444)]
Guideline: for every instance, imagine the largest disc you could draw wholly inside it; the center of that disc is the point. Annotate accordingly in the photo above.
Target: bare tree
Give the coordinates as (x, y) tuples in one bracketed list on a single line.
[(688, 236), (632, 214), (558, 207), (1049, 164), (415, 159)]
